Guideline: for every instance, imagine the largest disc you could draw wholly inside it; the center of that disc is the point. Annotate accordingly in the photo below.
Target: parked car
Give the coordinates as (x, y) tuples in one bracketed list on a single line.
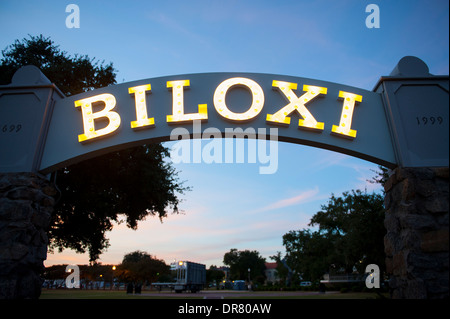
[(305, 283)]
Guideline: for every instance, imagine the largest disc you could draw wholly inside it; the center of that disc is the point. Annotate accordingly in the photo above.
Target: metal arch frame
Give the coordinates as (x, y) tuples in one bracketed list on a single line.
[(51, 125)]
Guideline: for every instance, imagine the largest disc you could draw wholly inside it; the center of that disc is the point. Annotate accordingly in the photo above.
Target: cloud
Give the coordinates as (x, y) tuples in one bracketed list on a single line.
[(301, 198), (179, 27)]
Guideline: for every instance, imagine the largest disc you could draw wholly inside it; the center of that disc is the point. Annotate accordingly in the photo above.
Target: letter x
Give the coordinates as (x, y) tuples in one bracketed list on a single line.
[(297, 104)]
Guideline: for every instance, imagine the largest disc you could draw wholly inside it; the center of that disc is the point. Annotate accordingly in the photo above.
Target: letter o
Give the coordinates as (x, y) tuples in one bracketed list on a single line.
[(257, 99)]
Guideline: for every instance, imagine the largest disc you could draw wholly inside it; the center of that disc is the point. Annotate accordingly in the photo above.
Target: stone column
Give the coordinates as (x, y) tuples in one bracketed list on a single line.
[(26, 205), (417, 239)]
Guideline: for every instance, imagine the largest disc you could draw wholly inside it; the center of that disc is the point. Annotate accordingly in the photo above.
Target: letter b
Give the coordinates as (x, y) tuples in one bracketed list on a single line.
[(89, 116)]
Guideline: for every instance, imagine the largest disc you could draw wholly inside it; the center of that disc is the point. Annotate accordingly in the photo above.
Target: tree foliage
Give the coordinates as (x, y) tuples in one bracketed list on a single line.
[(308, 253), (350, 234), (142, 267), (214, 274), (130, 184), (241, 261), (381, 177), (72, 75), (93, 272), (356, 220)]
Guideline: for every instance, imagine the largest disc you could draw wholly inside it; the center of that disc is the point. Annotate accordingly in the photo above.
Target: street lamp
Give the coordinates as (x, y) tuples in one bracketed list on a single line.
[(112, 279), (102, 280), (249, 284)]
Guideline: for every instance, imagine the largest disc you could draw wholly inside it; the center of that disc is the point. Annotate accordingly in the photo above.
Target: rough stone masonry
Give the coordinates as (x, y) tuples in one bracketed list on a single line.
[(26, 205), (417, 239)]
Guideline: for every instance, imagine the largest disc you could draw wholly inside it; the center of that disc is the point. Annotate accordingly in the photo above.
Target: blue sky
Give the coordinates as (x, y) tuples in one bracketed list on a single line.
[(232, 205)]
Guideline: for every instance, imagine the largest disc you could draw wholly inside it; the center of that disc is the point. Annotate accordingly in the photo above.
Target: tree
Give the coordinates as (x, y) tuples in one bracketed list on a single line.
[(308, 253), (241, 261), (381, 177), (133, 183), (94, 272), (356, 221), (72, 75), (214, 274), (142, 267), (350, 234), (282, 271)]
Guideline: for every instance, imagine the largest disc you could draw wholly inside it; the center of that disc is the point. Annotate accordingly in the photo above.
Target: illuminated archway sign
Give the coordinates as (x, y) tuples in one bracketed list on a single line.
[(305, 111), (403, 122)]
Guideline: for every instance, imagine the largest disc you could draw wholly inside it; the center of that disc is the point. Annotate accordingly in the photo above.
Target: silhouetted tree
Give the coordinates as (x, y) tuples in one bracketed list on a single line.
[(241, 261), (133, 183), (350, 234)]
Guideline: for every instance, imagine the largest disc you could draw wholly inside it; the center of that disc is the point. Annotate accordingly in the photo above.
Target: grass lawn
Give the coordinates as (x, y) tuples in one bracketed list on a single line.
[(93, 294), (108, 294)]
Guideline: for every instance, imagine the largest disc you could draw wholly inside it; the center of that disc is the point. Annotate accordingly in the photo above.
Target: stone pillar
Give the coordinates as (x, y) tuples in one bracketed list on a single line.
[(26, 205), (417, 239)]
